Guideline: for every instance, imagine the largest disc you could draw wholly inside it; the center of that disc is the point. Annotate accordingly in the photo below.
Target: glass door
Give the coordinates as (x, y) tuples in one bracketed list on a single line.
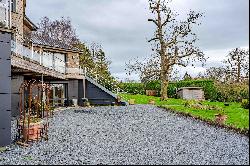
[(57, 94)]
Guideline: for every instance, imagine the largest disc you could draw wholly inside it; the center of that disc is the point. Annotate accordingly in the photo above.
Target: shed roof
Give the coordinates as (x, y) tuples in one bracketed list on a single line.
[(190, 88)]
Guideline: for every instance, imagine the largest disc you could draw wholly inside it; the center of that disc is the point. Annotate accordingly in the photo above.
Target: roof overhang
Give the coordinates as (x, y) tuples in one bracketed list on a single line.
[(29, 23), (56, 49)]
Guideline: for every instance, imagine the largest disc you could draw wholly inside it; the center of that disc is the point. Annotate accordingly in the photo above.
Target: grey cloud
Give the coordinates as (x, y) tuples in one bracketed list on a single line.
[(121, 25)]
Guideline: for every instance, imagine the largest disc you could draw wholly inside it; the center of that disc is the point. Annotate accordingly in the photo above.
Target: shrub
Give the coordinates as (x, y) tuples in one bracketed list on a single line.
[(190, 103), (213, 91), (154, 85), (232, 92), (207, 85), (198, 105), (132, 88), (245, 103)]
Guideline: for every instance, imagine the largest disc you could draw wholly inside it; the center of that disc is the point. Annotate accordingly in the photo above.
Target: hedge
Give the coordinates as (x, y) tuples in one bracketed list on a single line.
[(213, 91), (132, 88)]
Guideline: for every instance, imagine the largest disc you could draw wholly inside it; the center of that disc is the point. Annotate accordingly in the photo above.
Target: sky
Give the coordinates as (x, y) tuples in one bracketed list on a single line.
[(121, 27)]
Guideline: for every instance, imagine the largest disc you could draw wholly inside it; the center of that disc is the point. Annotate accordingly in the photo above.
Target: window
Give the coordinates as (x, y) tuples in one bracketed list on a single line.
[(13, 5)]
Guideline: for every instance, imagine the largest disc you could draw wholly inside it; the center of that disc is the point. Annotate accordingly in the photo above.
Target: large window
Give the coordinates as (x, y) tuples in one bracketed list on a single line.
[(59, 62), (3, 13), (57, 94), (54, 61), (13, 6)]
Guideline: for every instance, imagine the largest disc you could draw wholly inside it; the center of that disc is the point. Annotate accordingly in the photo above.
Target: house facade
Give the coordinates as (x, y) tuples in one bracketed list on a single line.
[(25, 56)]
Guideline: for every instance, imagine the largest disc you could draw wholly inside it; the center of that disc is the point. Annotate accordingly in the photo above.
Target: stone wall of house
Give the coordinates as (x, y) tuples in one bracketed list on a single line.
[(73, 60), (17, 19), (27, 32)]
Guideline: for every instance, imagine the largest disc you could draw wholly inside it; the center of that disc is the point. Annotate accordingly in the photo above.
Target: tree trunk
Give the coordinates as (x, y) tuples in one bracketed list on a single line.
[(164, 86), (238, 69)]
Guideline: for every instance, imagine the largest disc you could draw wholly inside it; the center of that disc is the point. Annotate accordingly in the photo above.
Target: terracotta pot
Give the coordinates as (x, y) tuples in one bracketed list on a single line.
[(33, 133), (220, 118)]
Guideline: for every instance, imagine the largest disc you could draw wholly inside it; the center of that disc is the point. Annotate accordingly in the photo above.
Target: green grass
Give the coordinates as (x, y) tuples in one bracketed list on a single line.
[(237, 116)]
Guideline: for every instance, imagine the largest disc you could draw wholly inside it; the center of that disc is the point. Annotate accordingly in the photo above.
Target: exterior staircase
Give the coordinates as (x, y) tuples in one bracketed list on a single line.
[(99, 95)]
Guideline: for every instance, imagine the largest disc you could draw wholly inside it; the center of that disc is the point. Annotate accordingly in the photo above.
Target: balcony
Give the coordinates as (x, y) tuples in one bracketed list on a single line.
[(48, 63), (78, 73)]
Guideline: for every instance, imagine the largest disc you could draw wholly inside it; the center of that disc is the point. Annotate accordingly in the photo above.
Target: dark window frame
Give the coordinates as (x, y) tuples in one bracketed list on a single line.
[(13, 6)]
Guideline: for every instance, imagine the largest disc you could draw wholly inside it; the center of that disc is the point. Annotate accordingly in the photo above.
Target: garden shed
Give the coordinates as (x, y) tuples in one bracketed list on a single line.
[(191, 93)]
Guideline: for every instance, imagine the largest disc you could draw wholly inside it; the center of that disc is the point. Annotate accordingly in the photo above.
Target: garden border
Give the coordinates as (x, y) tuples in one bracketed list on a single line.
[(209, 122)]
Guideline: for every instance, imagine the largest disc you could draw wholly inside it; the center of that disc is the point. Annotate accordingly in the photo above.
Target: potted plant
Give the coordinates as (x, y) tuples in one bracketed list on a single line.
[(221, 117), (32, 130)]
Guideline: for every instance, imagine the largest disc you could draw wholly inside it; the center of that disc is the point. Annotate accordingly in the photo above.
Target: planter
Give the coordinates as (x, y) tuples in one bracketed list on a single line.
[(34, 131), (151, 92), (220, 118), (86, 104), (74, 102), (131, 102)]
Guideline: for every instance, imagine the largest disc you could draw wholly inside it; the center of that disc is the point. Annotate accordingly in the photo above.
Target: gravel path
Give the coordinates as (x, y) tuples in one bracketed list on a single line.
[(139, 134)]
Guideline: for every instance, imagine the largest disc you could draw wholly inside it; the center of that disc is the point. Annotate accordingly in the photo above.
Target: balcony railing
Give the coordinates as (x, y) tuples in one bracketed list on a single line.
[(44, 59), (75, 71)]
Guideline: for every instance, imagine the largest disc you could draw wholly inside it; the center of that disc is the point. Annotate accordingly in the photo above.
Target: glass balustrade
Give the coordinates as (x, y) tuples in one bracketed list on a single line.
[(53, 61)]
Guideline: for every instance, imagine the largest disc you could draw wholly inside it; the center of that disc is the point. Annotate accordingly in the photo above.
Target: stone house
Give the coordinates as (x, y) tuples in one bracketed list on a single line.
[(24, 56)]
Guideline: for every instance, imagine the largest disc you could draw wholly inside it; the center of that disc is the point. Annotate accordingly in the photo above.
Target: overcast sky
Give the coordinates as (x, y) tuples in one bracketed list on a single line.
[(121, 26)]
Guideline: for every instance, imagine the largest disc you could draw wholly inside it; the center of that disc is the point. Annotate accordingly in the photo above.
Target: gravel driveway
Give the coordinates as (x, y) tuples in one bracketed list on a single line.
[(139, 134)]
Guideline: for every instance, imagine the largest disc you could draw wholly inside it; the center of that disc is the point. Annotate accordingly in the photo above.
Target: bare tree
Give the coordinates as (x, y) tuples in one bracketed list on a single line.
[(187, 77), (237, 64), (61, 30), (217, 73), (173, 42)]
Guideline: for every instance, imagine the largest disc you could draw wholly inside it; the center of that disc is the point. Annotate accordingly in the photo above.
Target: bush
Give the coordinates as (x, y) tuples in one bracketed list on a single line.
[(198, 105), (232, 92), (245, 103), (207, 85), (132, 88), (214, 91), (154, 85)]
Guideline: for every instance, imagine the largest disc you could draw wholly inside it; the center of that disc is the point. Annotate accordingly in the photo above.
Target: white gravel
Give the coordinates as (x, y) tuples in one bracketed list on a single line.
[(139, 134)]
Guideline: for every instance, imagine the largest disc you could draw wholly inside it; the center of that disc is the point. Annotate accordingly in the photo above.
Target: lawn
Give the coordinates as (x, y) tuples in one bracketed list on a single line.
[(237, 116)]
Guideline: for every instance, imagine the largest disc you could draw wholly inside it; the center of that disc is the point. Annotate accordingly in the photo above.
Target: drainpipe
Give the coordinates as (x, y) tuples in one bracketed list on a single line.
[(10, 14), (32, 51), (84, 82)]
